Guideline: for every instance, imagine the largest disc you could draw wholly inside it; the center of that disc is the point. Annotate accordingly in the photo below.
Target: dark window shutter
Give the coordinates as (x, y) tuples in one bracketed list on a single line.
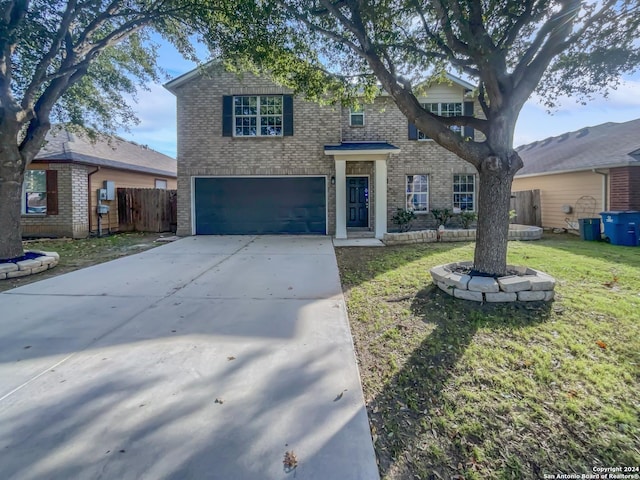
[(227, 116), (413, 132), (468, 111), (287, 115), (52, 192)]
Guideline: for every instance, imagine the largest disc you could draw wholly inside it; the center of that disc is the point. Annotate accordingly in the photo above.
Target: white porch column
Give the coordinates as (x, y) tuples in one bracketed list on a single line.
[(341, 199), (381, 198)]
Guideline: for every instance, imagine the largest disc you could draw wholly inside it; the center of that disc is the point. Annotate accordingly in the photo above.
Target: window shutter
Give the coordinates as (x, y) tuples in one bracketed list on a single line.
[(287, 115), (468, 111), (52, 192), (227, 116), (413, 132)]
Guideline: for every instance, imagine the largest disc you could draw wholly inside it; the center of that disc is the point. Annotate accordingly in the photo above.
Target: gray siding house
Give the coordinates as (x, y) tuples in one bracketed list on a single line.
[(254, 159)]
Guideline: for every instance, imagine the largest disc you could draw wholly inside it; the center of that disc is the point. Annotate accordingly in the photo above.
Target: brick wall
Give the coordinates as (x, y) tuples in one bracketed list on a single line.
[(624, 184), (60, 225), (385, 122), (202, 150)]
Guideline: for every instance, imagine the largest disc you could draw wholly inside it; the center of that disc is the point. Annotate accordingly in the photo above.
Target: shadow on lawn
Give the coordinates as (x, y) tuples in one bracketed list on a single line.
[(412, 440), (604, 251)]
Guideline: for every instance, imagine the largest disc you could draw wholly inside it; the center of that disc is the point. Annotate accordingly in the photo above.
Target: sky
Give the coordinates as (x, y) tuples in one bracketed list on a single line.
[(156, 110)]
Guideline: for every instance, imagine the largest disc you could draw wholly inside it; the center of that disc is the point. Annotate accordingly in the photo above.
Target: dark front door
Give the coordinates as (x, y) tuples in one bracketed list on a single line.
[(357, 202)]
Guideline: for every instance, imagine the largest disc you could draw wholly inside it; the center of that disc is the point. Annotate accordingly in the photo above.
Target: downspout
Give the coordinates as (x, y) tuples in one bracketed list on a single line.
[(605, 189), (89, 195)]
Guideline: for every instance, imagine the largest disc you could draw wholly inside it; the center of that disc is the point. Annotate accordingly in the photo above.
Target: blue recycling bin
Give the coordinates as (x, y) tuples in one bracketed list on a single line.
[(622, 227)]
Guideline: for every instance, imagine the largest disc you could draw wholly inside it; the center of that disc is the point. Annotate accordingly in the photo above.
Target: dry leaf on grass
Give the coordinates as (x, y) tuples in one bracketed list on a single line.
[(290, 460), (601, 344)]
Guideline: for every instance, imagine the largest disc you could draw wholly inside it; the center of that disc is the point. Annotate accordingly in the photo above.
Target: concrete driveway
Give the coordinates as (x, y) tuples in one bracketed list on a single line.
[(207, 358)]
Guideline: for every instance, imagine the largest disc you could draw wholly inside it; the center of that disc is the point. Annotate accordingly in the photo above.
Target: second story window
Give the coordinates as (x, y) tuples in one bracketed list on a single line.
[(451, 109), (257, 115), (356, 116)]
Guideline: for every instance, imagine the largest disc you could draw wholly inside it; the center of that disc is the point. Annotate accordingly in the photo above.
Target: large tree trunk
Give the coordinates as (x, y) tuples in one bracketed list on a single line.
[(11, 178), (496, 174), (493, 221)]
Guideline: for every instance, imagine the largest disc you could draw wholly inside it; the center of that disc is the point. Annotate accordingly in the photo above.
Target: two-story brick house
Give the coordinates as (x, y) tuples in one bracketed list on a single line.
[(254, 159)]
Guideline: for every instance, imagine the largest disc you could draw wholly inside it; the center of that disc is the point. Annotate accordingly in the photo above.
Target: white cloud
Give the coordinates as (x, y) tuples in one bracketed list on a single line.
[(626, 95), (156, 110)]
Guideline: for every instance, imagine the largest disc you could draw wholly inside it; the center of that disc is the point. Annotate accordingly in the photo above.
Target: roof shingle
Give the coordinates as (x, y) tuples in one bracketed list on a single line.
[(114, 152), (603, 146)]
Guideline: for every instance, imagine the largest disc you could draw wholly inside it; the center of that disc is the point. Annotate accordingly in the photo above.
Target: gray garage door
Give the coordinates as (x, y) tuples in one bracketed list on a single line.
[(241, 206)]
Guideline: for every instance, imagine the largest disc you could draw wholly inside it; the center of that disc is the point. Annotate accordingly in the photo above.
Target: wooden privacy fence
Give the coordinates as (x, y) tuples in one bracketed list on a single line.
[(147, 210), (527, 207)]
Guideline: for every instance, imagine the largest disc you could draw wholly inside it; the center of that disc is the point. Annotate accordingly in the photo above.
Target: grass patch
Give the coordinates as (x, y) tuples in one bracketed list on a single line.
[(456, 389), (76, 254)]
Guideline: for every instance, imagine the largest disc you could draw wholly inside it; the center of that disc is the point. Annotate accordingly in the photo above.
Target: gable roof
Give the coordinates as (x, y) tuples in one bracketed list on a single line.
[(604, 146), (62, 145), (186, 77)]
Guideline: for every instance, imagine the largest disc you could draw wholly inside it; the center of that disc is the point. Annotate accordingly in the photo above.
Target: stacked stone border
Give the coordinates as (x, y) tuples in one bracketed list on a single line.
[(24, 268), (516, 232), (528, 285)]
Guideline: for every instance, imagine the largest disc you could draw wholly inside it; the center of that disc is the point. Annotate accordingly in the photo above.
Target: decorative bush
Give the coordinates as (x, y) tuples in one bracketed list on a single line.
[(404, 219), (442, 216), (467, 218)]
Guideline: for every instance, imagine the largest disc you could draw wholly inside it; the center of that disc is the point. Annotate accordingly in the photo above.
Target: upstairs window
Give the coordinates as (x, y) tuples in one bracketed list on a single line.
[(446, 109), (418, 193), (464, 192), (356, 116), (257, 116), (451, 109)]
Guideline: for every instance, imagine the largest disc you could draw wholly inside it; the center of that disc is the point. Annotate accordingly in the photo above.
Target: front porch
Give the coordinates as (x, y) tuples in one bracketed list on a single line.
[(353, 198)]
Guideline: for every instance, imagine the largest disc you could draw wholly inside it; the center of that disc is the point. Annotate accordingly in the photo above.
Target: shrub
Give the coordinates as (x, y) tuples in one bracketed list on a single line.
[(442, 216), (404, 219), (466, 218)]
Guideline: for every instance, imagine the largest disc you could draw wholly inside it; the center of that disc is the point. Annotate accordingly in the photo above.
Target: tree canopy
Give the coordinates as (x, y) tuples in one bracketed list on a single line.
[(77, 61), (508, 48)]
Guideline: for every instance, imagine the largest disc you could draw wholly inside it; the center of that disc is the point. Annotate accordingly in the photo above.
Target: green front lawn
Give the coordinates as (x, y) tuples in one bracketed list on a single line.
[(456, 389)]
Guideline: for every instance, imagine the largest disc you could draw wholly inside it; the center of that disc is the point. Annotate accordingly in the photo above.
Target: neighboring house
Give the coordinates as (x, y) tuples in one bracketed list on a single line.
[(60, 196), (600, 163), (252, 158)]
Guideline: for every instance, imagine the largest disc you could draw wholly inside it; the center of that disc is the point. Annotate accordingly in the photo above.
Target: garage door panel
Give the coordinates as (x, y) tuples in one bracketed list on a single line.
[(260, 205)]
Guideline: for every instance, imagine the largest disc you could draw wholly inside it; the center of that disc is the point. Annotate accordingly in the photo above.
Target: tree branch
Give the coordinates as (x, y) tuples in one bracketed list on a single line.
[(527, 76), (40, 71)]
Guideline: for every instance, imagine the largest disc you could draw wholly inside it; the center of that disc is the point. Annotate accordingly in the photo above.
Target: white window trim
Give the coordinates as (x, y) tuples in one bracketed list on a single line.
[(439, 113), (406, 184), (475, 193), (352, 113), (258, 116), (166, 184), (23, 199)]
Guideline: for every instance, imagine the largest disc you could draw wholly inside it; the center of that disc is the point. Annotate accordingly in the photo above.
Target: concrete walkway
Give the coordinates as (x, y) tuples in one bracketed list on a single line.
[(207, 358)]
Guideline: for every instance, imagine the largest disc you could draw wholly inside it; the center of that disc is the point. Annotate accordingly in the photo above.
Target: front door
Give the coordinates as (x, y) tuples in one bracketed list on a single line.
[(357, 201)]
